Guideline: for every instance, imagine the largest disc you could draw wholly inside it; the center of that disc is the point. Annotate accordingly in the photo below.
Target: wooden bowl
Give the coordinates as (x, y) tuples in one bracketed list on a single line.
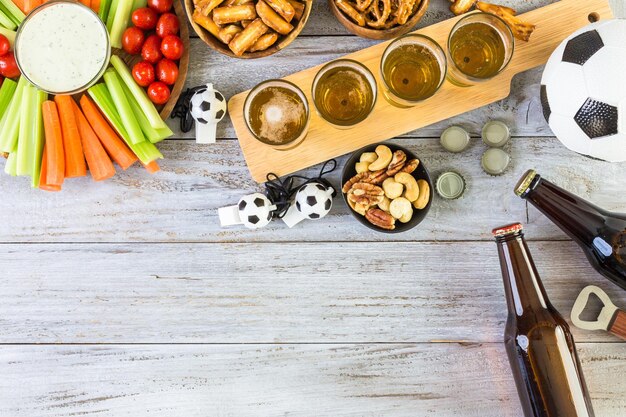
[(222, 48), (379, 34), (421, 173)]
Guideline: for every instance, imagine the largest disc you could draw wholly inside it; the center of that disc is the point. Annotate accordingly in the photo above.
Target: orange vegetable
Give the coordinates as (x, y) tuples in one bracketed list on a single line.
[(117, 149), (74, 157), (86, 2), (30, 5), (44, 173), (55, 159), (95, 5), (100, 165), (153, 167), (20, 5)]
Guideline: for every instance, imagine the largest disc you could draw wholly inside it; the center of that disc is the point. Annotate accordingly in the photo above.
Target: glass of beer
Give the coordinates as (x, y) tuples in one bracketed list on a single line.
[(344, 93), (413, 68), (480, 46), (277, 114)]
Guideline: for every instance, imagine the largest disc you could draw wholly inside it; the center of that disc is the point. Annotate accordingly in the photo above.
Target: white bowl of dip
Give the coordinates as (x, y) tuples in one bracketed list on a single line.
[(62, 47)]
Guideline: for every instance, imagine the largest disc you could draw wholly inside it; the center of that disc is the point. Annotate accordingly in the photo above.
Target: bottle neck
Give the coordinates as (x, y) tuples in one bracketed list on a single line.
[(580, 219), (522, 285)]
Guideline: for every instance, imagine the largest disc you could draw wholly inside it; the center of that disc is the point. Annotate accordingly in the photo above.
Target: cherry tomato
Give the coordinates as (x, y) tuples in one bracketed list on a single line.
[(143, 73), (158, 92), (167, 71), (172, 47), (145, 18), (8, 66), (167, 25), (132, 40), (5, 45), (151, 49), (161, 6)]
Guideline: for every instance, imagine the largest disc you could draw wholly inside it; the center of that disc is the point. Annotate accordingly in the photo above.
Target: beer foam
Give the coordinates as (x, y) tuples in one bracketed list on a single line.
[(280, 116)]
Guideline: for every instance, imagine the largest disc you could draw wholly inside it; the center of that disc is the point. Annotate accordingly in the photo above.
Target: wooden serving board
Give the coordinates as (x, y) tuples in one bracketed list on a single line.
[(554, 23)]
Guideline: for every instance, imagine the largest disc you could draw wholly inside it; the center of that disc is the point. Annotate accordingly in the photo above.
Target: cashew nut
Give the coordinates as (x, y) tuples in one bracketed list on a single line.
[(412, 189), (361, 167), (400, 207), (424, 195), (392, 188), (384, 157), (368, 157), (384, 205), (407, 217)]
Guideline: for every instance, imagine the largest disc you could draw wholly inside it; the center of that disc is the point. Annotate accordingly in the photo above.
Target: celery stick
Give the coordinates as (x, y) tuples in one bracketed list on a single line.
[(15, 13), (120, 21), (6, 94), (26, 131), (104, 10), (11, 164), (152, 134), (11, 119), (129, 120), (6, 21), (111, 13), (140, 95), (139, 4), (39, 139), (9, 34)]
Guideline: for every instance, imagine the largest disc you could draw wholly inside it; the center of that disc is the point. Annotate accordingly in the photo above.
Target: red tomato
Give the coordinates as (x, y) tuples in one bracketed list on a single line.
[(151, 49), (1, 80), (161, 6), (167, 71), (132, 40), (172, 47), (5, 45), (8, 66), (167, 25), (145, 18), (143, 73), (158, 92)]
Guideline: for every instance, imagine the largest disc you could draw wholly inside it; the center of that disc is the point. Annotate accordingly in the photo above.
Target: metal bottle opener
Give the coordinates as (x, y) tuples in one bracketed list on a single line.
[(610, 318)]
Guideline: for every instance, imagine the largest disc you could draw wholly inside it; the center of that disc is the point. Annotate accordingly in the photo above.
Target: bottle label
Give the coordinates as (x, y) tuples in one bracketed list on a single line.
[(602, 246)]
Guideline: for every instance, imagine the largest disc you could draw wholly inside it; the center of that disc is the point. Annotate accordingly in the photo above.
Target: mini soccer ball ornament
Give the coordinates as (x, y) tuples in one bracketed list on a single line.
[(208, 107), (253, 211), (583, 91), (312, 201)]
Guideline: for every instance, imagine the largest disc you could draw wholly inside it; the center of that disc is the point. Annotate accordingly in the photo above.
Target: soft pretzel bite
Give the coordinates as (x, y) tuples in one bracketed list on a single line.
[(233, 14), (264, 42), (247, 37)]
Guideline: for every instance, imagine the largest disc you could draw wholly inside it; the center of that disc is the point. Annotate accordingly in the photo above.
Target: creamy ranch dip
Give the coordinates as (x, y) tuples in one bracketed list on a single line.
[(62, 47)]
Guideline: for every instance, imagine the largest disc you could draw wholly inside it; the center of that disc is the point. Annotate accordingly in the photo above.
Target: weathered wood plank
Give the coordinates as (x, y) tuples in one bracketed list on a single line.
[(264, 293), (442, 380), (180, 203)]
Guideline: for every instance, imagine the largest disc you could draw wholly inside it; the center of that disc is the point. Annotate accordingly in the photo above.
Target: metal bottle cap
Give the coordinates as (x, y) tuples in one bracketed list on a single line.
[(495, 161), (450, 185), (496, 134), (507, 230), (454, 139), (525, 182)]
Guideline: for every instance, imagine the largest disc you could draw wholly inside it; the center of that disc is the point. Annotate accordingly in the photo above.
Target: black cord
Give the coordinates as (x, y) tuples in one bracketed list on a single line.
[(182, 108), (280, 192)]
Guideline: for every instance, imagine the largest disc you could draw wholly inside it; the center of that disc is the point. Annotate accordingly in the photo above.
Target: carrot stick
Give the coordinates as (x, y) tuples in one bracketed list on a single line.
[(20, 5), (100, 165), (30, 5), (74, 157), (44, 173), (152, 167), (54, 144), (116, 148), (95, 5), (86, 2)]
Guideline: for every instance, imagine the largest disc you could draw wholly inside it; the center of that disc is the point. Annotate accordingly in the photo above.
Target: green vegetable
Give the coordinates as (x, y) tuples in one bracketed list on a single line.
[(9, 124), (11, 165), (6, 94), (6, 21), (10, 35), (26, 131), (12, 10), (139, 4), (120, 21), (145, 151), (39, 139), (154, 135), (140, 95), (104, 10), (127, 116), (111, 13)]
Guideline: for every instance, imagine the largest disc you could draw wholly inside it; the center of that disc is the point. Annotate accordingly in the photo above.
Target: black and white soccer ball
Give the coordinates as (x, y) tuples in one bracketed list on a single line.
[(208, 106), (314, 200), (583, 91), (255, 210)]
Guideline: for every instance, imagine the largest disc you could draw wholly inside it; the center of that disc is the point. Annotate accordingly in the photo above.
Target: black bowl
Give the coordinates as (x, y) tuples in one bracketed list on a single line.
[(421, 173)]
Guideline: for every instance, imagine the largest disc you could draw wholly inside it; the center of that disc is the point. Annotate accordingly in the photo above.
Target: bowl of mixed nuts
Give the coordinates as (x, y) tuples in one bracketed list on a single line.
[(387, 188)]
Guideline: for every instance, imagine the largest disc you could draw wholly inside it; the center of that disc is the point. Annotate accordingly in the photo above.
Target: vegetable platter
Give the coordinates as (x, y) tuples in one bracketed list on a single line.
[(51, 131)]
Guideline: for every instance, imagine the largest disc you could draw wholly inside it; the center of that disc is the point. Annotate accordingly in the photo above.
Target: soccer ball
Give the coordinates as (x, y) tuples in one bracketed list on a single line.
[(583, 91), (208, 105), (255, 210), (314, 200)]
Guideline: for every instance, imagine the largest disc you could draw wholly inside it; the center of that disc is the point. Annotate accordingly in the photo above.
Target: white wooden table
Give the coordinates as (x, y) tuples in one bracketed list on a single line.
[(126, 298)]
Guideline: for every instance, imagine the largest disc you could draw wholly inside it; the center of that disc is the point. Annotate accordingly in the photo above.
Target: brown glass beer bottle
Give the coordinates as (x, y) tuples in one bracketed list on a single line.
[(601, 234), (538, 341)]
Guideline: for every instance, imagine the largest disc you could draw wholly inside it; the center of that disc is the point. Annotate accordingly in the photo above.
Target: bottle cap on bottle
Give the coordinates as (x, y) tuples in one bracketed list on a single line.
[(495, 161), (507, 230), (496, 134), (525, 182), (450, 185), (454, 139)]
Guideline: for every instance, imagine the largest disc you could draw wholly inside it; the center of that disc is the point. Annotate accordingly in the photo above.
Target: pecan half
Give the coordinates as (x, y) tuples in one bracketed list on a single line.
[(377, 177), (365, 193), (362, 177), (410, 166), (381, 219), (397, 162)]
